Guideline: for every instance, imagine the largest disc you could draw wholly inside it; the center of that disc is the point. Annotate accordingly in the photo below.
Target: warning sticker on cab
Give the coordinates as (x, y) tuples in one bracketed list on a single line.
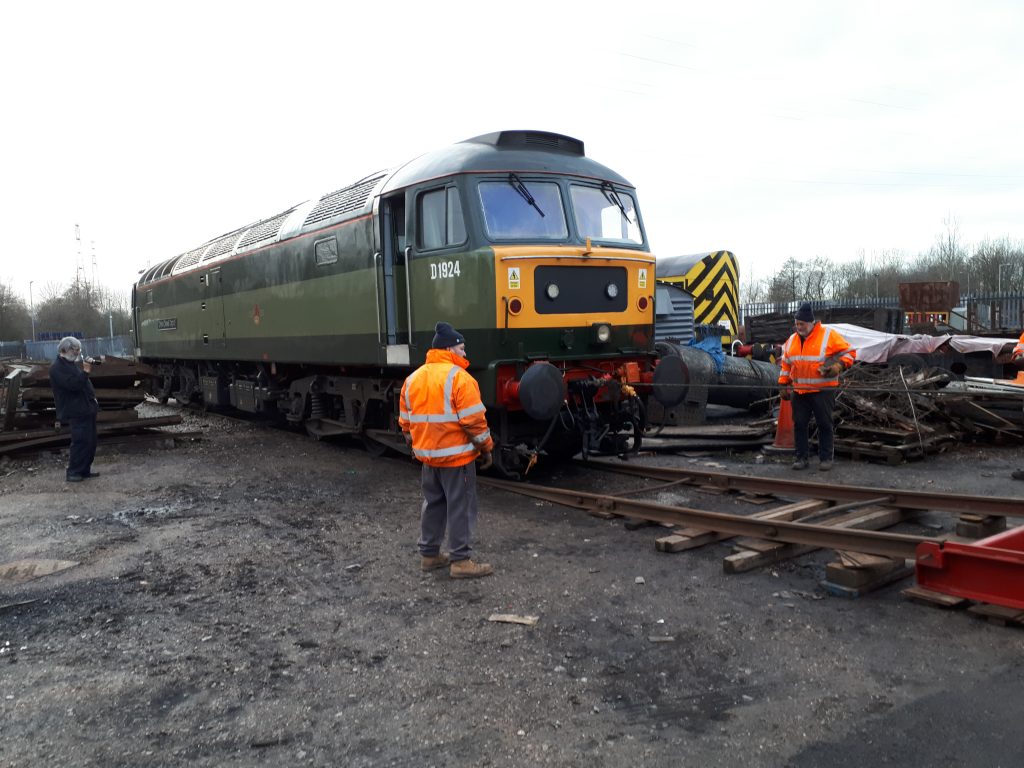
[(642, 278), (513, 278)]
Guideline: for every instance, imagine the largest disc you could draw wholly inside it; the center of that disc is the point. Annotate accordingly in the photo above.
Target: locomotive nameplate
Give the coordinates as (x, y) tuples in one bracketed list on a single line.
[(167, 324)]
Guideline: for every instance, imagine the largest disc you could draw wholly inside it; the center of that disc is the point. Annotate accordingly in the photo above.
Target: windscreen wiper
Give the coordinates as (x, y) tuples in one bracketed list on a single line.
[(612, 197), (524, 193)]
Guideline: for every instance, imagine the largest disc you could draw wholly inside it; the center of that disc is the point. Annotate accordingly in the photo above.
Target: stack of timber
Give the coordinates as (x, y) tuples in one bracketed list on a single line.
[(709, 437), (992, 407), (28, 418), (890, 414)]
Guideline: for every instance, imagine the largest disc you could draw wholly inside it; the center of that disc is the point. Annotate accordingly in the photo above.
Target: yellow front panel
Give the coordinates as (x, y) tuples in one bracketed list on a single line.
[(514, 278)]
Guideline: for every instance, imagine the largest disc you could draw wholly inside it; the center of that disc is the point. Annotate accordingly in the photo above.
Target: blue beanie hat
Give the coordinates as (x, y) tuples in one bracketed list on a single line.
[(445, 336), (805, 314)]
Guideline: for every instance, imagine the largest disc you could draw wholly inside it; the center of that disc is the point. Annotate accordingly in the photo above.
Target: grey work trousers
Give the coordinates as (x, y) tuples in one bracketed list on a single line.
[(449, 500)]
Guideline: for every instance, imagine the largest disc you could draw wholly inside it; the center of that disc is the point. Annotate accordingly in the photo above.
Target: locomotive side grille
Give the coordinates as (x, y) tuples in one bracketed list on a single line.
[(222, 246), (346, 200), (189, 259), (264, 230), (673, 314)]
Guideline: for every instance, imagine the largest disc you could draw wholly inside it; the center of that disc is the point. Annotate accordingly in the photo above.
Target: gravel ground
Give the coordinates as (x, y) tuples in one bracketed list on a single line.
[(254, 598)]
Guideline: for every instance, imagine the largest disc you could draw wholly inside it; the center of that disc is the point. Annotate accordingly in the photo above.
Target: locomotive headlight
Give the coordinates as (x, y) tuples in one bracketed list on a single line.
[(602, 332), (551, 291), (611, 290)]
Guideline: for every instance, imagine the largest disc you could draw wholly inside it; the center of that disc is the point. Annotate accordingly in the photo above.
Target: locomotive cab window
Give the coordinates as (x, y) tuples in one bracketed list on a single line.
[(516, 209), (441, 223), (606, 213)]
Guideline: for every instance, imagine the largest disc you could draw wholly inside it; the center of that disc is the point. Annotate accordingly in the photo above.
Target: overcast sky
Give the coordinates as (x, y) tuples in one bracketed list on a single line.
[(771, 129)]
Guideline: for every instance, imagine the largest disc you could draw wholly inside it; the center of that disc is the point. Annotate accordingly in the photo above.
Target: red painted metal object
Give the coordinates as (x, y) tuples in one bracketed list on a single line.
[(990, 570)]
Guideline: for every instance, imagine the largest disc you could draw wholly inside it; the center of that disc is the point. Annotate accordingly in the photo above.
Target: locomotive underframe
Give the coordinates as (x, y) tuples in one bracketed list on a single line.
[(598, 417)]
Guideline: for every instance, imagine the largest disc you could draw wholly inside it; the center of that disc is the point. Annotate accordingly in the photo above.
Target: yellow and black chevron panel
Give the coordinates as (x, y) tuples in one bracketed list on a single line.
[(713, 281)]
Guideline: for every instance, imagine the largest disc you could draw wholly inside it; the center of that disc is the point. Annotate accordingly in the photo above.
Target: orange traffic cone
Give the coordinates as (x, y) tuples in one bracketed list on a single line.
[(784, 440)]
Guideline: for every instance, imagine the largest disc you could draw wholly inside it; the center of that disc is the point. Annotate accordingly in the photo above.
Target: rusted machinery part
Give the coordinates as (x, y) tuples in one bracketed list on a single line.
[(741, 383)]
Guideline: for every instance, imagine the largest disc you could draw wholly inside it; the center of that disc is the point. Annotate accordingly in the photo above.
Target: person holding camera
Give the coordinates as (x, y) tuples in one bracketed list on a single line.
[(77, 406)]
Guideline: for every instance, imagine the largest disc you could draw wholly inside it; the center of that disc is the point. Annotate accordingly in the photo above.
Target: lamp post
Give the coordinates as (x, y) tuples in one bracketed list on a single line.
[(32, 309), (999, 277), (876, 286)]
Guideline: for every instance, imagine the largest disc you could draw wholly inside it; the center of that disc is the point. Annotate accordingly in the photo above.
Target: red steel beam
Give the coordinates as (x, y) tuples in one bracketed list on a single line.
[(990, 570)]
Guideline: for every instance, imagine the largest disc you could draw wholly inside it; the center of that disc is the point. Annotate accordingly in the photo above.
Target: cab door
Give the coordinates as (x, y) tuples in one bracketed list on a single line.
[(391, 268), (213, 330)]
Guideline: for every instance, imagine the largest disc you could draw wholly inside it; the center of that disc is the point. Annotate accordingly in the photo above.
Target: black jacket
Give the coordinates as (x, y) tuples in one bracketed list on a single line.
[(72, 391)]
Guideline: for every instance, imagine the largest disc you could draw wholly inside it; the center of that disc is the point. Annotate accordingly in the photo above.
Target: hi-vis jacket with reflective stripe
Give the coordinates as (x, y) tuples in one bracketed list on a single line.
[(1018, 351), (802, 359), (441, 408)]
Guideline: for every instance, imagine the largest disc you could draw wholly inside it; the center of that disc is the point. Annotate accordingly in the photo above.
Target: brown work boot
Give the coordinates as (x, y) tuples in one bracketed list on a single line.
[(433, 562), (467, 569)]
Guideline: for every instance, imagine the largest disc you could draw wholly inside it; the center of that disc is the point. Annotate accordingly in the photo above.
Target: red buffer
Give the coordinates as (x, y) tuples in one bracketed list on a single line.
[(990, 570)]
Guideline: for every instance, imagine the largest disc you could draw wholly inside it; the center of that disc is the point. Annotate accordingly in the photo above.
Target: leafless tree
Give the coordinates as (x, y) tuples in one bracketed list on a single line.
[(15, 320)]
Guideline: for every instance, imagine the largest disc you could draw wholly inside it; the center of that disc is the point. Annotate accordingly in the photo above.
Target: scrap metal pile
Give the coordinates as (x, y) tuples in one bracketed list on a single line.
[(28, 416), (893, 414)]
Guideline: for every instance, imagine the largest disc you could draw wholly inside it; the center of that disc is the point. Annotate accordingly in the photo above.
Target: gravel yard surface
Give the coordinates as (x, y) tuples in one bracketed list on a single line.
[(254, 598)]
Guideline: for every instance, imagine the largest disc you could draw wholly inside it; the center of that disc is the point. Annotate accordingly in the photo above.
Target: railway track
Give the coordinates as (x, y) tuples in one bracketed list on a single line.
[(824, 527), (785, 488), (812, 534)]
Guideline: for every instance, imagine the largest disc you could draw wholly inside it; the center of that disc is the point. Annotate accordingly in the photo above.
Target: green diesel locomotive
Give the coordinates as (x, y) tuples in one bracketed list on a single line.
[(536, 253)]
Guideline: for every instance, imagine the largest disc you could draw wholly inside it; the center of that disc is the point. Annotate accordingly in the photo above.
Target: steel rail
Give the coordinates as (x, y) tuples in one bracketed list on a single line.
[(921, 500), (896, 545)]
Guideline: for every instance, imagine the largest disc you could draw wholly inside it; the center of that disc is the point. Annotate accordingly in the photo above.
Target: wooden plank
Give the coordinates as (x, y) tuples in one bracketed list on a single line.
[(979, 526), (755, 498), (749, 559), (19, 571), (880, 579), (17, 441), (713, 489), (13, 386), (135, 394), (859, 560), (998, 614), (931, 597), (691, 538), (867, 578)]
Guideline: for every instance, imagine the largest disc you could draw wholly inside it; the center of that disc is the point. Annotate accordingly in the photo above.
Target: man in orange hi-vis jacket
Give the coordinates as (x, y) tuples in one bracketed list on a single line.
[(812, 360), (445, 422)]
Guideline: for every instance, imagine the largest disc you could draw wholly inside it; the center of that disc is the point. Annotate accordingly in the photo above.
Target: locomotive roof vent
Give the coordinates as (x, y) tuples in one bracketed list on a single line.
[(532, 140), (266, 229), (345, 200)]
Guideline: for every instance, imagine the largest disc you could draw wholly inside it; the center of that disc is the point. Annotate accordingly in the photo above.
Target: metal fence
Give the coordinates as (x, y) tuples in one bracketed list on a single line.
[(118, 346), (790, 307), (989, 311)]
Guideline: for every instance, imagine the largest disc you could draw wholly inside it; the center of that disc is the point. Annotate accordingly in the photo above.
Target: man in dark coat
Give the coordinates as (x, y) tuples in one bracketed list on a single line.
[(76, 405)]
